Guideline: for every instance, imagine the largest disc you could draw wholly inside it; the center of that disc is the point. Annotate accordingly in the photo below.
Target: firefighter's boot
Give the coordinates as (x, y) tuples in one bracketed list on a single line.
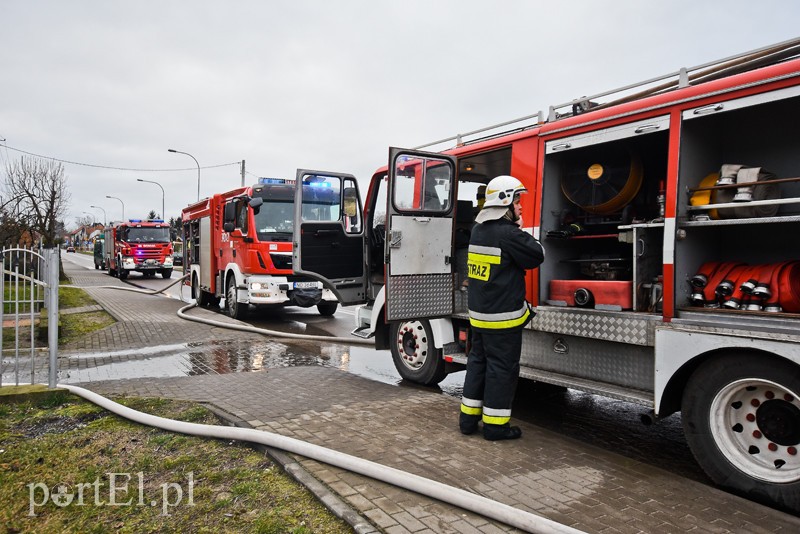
[(498, 432), (468, 423)]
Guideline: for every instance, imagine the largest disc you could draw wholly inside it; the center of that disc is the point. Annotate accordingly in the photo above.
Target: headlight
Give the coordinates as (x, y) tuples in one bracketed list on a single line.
[(255, 286)]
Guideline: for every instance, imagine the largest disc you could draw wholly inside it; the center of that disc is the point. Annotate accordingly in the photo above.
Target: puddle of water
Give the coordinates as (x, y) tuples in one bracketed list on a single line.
[(232, 356)]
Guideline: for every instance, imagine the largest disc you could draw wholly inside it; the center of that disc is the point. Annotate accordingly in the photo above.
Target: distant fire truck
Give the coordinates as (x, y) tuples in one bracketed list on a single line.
[(138, 245), (670, 216), (238, 246)]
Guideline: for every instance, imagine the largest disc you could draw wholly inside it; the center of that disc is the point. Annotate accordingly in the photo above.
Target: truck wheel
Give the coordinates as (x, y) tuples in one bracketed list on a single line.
[(415, 357), (236, 309), (327, 308), (199, 296), (111, 272), (123, 274), (166, 273), (741, 417)]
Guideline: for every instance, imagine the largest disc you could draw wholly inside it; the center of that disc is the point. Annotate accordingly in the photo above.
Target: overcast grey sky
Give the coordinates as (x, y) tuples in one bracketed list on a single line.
[(317, 84)]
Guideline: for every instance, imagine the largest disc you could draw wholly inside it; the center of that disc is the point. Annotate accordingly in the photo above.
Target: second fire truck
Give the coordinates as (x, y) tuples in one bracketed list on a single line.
[(238, 246), (138, 245), (670, 217)]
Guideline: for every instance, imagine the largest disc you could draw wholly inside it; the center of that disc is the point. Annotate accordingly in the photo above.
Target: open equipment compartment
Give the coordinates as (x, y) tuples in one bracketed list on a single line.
[(757, 131), (604, 193)]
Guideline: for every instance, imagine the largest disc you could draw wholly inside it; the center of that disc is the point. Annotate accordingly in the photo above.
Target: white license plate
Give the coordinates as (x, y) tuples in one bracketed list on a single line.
[(306, 285)]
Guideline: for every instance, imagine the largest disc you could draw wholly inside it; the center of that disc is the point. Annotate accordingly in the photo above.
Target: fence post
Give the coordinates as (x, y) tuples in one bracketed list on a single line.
[(52, 255)]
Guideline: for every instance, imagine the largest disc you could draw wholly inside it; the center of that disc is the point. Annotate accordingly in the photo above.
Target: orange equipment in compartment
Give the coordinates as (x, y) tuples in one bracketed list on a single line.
[(593, 293)]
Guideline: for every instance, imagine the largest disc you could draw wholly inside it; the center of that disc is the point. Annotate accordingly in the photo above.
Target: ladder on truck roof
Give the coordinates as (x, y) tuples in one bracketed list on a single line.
[(683, 77)]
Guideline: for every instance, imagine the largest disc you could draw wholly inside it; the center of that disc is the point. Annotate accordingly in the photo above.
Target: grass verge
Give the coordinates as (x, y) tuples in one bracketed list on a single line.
[(55, 450), (72, 326)]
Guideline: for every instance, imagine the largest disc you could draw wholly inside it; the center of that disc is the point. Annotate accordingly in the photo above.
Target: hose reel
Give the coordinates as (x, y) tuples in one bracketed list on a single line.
[(602, 180)]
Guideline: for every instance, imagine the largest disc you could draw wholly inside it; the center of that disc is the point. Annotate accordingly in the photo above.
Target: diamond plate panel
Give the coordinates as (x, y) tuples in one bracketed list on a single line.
[(622, 327), (413, 296), (624, 365)]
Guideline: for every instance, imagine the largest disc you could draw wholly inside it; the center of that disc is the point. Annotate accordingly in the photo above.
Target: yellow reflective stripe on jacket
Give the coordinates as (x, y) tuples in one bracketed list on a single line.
[(472, 257), (499, 320), (482, 254)]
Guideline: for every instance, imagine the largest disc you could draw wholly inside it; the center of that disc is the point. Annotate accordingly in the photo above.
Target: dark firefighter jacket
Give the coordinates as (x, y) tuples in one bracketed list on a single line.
[(499, 254)]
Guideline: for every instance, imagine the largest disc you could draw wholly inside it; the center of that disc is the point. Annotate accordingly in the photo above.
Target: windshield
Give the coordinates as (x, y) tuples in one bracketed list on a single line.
[(275, 218), (148, 234)]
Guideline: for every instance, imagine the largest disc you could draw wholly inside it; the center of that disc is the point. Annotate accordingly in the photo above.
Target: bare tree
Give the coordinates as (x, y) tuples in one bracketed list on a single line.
[(85, 220), (36, 193), (12, 230)]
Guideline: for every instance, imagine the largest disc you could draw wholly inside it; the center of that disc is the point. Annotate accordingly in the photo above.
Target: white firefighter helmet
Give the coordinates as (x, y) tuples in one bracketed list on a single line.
[(500, 193)]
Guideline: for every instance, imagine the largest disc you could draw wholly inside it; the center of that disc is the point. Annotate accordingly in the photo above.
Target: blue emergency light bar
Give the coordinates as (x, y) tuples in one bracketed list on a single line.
[(317, 184), (271, 181)]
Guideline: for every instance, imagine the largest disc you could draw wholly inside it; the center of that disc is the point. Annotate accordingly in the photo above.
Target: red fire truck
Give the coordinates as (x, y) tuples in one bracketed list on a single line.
[(647, 200), (238, 246), (138, 245)]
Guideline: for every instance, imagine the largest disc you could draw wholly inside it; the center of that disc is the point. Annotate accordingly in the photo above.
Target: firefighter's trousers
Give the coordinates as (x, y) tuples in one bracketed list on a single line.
[(492, 374)]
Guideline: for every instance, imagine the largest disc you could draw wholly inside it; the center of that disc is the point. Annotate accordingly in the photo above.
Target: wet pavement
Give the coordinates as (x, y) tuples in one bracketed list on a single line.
[(581, 461)]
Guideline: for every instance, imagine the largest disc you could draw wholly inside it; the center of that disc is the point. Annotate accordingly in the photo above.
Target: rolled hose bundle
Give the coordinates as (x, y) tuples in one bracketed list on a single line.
[(789, 287), (773, 287), (711, 295)]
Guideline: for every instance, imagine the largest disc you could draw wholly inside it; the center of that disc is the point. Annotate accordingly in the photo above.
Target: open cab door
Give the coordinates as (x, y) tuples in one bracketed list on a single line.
[(419, 235), (328, 233)]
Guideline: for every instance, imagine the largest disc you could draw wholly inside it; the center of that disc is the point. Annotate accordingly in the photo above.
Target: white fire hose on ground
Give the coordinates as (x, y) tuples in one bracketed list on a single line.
[(457, 497), (484, 506)]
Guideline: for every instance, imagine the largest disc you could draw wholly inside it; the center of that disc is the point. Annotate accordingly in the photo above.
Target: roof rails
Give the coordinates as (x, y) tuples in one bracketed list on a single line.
[(683, 77)]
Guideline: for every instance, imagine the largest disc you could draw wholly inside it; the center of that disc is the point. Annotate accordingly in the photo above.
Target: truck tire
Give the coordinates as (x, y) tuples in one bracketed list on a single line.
[(166, 273), (236, 309), (111, 272), (327, 308), (413, 352), (201, 297), (741, 417)]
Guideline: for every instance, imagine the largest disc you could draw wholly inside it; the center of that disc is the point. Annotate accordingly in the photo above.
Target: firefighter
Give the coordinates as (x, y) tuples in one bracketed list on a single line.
[(499, 253)]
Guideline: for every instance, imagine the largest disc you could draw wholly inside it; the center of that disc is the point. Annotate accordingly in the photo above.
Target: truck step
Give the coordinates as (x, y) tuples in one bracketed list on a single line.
[(362, 332)]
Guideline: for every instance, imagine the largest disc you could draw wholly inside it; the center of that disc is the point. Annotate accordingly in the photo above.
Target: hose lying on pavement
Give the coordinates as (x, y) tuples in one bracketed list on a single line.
[(271, 333), (468, 501), (136, 289), (233, 326)]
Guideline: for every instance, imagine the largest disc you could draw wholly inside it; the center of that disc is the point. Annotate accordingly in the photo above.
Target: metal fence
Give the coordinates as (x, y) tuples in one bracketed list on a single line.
[(29, 289)]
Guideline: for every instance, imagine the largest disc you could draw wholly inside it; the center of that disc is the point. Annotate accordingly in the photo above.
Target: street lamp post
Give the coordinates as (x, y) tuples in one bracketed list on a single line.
[(163, 214), (121, 202), (104, 214), (198, 167)]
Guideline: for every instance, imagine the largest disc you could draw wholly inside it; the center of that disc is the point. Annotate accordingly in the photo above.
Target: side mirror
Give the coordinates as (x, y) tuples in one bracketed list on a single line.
[(229, 216), (350, 206), (255, 204)]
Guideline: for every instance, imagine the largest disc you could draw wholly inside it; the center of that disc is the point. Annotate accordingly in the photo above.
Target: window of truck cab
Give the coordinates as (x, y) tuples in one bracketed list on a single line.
[(331, 199), (421, 185), (274, 218)]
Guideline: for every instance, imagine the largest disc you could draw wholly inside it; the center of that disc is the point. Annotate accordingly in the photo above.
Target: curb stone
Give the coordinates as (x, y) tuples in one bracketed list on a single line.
[(295, 470)]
